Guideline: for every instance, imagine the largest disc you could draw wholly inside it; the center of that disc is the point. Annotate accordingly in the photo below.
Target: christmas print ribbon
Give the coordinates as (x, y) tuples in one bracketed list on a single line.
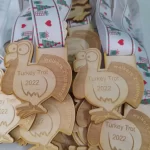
[(23, 28), (43, 21), (119, 37), (86, 21)]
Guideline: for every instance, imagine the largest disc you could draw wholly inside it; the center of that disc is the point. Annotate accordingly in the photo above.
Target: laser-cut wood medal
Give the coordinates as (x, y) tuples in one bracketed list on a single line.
[(132, 133), (8, 118), (34, 82), (106, 88), (46, 126)]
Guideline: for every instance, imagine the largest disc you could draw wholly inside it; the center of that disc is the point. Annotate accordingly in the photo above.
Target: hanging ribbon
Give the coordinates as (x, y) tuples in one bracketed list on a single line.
[(120, 32), (44, 22)]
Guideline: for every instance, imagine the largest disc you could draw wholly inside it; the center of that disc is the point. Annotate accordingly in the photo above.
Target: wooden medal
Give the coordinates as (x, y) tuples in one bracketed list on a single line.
[(82, 116), (8, 117), (58, 119), (33, 83), (17, 137), (106, 88), (131, 133)]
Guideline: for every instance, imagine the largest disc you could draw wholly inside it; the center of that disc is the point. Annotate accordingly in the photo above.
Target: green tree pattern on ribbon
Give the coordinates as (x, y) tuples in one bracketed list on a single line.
[(113, 29), (43, 35), (26, 38), (114, 52), (106, 4), (27, 14), (62, 2), (43, 7), (128, 21), (47, 44), (145, 101), (142, 66), (147, 74), (102, 15), (37, 2)]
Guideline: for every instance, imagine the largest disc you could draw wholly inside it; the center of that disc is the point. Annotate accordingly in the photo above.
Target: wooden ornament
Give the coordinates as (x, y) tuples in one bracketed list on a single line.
[(8, 117), (106, 88), (58, 119), (34, 83), (79, 2), (82, 116), (78, 13)]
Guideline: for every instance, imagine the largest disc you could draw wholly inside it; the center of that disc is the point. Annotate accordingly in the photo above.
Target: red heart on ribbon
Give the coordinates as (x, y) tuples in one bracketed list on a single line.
[(48, 23), (145, 82), (121, 42), (105, 13), (139, 49), (23, 25)]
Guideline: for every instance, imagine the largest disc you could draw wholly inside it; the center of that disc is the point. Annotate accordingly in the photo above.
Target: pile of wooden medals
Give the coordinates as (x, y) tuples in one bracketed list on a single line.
[(39, 106)]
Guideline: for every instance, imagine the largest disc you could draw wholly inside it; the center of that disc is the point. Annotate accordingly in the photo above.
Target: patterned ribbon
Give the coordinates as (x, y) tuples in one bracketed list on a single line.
[(43, 21), (120, 31)]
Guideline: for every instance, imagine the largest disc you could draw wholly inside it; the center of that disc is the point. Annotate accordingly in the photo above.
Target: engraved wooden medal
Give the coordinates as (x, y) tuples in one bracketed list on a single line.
[(105, 88), (34, 83)]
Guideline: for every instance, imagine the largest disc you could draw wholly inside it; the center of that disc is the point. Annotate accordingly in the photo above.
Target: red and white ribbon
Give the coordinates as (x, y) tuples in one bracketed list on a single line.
[(43, 21)]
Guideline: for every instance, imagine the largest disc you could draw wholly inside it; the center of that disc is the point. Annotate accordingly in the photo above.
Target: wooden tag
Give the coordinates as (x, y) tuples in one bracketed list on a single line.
[(8, 118), (58, 119), (82, 116), (34, 82), (105, 88), (78, 13)]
